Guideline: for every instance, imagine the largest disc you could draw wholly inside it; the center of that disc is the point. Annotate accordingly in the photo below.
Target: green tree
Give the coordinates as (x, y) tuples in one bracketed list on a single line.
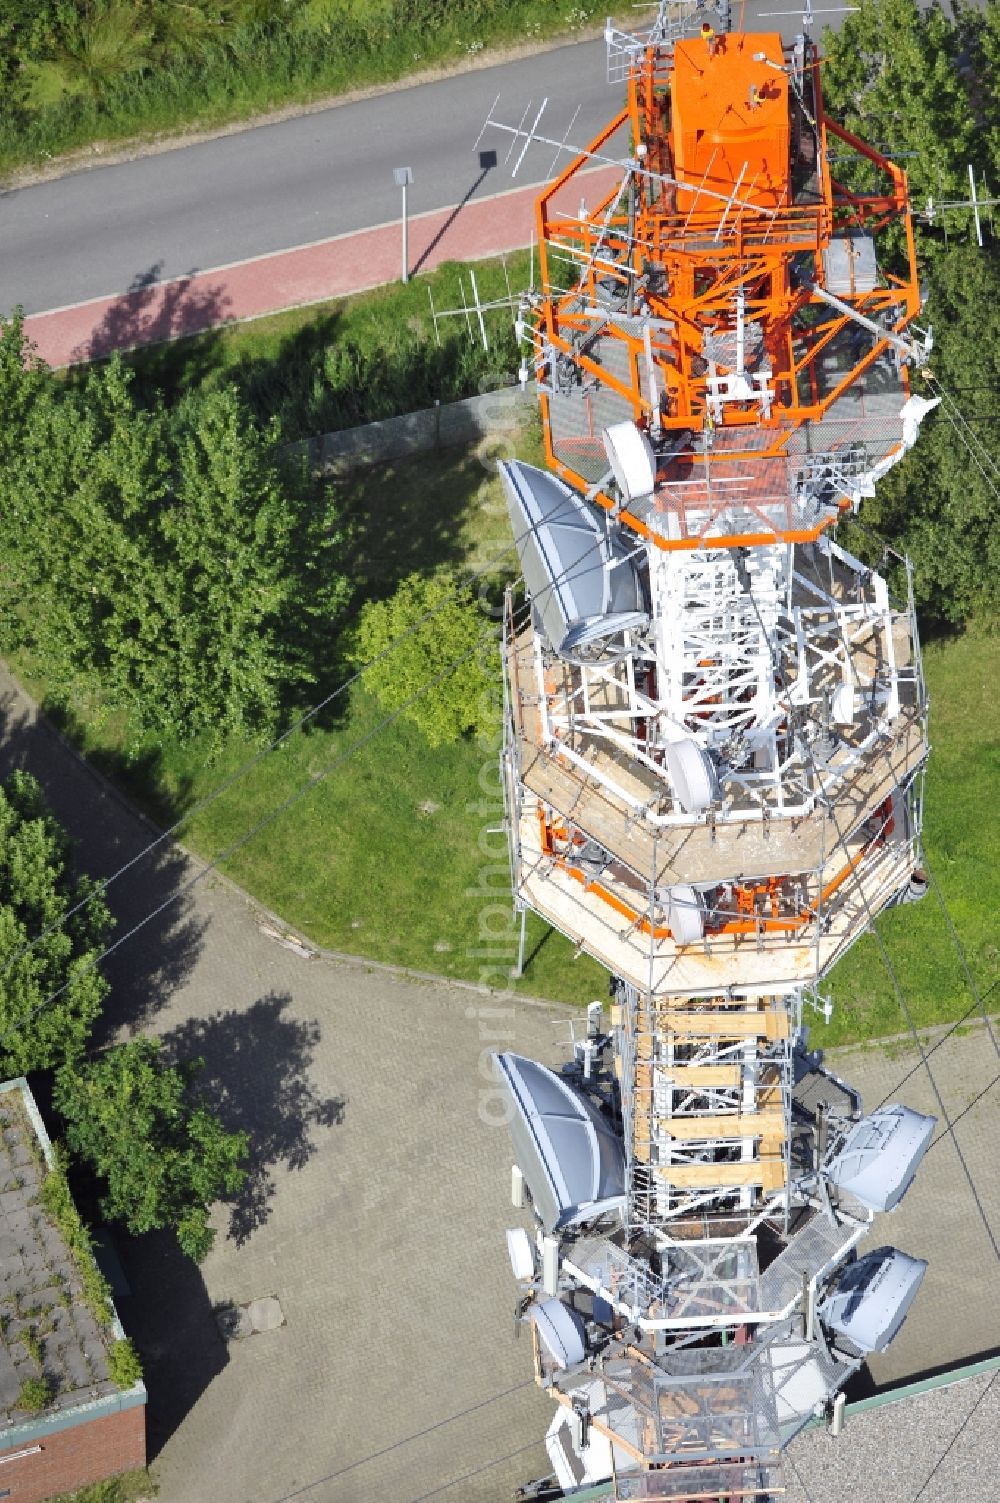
[(250, 576), (454, 646), (925, 88), (77, 522), (161, 1153), (21, 24), (22, 378), (894, 76), (166, 559), (37, 890), (980, 29), (940, 504)]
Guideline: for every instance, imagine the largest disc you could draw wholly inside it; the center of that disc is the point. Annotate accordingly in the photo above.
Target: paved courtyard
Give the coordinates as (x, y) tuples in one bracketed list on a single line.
[(378, 1198), (936, 1447)]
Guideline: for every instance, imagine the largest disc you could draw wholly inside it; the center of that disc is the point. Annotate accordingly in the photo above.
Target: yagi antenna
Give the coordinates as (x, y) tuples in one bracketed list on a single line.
[(520, 126), (563, 147), (530, 137), (472, 311), (437, 336), (479, 309), (975, 202), (633, 165), (975, 207), (809, 11)]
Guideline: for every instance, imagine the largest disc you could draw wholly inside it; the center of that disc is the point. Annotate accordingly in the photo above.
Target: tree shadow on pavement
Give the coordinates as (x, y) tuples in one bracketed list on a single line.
[(152, 311), (170, 1317), (256, 1077), (109, 833)]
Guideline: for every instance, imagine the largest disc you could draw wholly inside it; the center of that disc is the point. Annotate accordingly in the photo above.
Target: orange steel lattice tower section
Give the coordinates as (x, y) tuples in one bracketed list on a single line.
[(723, 237)]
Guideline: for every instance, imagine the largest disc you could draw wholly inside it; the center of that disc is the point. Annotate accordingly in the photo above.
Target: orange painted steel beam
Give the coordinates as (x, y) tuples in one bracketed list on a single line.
[(746, 896), (708, 215)]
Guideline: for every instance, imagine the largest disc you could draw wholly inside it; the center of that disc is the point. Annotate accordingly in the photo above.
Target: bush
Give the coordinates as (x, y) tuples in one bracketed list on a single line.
[(34, 1395), (167, 560), (124, 1364), (74, 73), (442, 672)]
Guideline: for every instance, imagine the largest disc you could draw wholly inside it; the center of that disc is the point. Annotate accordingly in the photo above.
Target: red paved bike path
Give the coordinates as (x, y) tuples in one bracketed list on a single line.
[(308, 274)]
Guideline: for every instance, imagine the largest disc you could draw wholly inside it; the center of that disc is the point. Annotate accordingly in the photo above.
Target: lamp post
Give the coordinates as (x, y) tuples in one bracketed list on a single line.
[(403, 177)]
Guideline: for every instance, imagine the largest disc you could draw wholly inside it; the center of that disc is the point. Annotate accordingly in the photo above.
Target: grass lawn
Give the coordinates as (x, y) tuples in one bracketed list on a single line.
[(388, 854), (378, 858), (127, 1487), (962, 843), (394, 855)]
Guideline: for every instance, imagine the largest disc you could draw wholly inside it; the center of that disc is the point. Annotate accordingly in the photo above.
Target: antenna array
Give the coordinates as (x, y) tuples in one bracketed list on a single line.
[(713, 761)]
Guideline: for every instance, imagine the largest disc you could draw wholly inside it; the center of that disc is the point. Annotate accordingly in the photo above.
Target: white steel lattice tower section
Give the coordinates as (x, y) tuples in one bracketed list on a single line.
[(715, 737)]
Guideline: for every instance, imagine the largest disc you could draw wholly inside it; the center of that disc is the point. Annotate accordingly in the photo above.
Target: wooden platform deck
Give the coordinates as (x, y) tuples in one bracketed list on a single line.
[(767, 1172), (702, 1077), (686, 1108), (769, 1125)]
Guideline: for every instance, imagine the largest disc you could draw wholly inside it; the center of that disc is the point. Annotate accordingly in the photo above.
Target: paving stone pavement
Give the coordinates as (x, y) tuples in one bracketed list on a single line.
[(945, 1218), (377, 1201), (937, 1447)]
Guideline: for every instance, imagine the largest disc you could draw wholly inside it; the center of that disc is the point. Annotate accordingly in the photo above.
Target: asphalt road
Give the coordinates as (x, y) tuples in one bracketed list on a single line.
[(266, 189), (101, 231)]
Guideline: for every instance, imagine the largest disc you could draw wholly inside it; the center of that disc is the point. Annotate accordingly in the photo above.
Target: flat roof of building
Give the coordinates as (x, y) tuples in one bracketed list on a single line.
[(49, 1328)]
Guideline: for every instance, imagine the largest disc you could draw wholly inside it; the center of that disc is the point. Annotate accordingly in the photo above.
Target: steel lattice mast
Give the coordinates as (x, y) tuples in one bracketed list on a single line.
[(715, 736)]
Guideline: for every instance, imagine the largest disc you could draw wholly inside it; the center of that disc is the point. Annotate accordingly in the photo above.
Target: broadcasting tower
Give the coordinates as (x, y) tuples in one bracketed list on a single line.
[(715, 741)]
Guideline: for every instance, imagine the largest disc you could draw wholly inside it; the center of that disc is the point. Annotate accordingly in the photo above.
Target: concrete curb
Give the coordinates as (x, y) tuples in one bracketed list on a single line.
[(301, 276)]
